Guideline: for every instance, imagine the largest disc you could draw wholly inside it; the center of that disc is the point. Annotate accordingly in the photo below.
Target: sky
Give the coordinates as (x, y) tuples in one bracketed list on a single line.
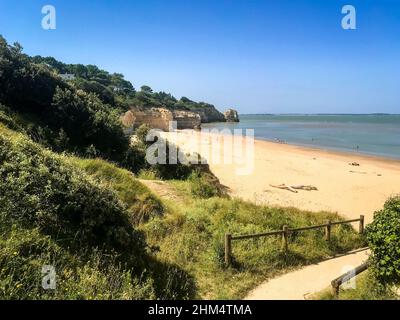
[(276, 56)]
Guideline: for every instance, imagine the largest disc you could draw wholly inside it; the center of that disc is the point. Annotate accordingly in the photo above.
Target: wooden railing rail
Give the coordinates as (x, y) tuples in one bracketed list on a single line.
[(285, 233), (346, 277)]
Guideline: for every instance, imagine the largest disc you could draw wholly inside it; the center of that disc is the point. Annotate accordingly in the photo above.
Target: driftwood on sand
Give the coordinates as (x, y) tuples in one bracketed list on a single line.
[(285, 187), (307, 188), (359, 172), (294, 188)]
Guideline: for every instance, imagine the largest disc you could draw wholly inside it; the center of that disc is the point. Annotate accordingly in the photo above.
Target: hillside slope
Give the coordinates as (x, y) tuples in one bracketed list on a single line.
[(52, 213), (113, 89)]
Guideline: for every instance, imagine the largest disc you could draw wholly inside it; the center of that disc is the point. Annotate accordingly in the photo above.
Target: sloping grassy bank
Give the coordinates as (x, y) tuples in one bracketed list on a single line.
[(191, 235), (109, 237), (140, 203), (52, 213)]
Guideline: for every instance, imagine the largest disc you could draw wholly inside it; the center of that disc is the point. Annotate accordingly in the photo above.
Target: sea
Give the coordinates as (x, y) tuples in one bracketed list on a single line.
[(370, 134)]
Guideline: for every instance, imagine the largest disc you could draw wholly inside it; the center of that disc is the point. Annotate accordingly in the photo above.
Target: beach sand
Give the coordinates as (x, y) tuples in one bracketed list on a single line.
[(343, 188)]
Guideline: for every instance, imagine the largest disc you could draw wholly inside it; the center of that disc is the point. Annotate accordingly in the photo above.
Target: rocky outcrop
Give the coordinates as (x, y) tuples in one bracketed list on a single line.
[(160, 118), (155, 117), (231, 115), (208, 113), (187, 119)]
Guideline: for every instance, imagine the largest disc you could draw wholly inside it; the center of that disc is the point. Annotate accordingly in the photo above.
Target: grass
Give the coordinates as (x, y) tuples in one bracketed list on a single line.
[(48, 216), (191, 235), (366, 288), (184, 240), (52, 212), (147, 175), (139, 201), (23, 252)]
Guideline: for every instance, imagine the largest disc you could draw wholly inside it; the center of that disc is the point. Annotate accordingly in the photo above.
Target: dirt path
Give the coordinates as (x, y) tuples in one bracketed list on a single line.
[(163, 190), (298, 285)]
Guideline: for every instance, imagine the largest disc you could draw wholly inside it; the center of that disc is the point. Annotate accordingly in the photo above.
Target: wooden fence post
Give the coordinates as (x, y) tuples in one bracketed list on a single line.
[(285, 238), (228, 249), (328, 231), (335, 289), (361, 227)]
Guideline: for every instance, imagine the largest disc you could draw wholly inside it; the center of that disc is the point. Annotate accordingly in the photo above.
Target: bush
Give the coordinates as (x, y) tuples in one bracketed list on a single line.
[(383, 236), (94, 275), (141, 133), (52, 213), (85, 120), (25, 86), (136, 159), (201, 187), (39, 189), (7, 119), (138, 200), (88, 123)]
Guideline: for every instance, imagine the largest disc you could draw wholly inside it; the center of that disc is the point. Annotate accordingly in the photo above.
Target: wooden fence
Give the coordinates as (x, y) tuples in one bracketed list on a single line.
[(346, 277), (285, 235)]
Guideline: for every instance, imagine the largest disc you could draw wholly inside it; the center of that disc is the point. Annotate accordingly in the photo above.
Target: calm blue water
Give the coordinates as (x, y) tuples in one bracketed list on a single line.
[(373, 134)]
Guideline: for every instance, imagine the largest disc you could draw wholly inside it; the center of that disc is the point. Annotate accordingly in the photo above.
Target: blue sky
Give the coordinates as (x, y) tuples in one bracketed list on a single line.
[(256, 56)]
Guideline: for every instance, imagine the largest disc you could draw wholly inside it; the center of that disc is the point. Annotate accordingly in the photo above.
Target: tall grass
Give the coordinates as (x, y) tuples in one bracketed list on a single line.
[(53, 213), (192, 237), (111, 238), (140, 203), (367, 287)]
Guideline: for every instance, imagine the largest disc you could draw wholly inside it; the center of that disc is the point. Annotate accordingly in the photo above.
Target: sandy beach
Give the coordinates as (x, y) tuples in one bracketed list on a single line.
[(344, 188)]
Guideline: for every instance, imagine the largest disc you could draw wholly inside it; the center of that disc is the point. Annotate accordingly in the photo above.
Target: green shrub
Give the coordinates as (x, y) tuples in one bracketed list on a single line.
[(383, 236), (7, 119), (138, 200), (201, 187), (52, 213), (88, 123), (25, 86), (34, 89), (40, 189), (135, 158), (173, 168), (92, 275), (141, 133)]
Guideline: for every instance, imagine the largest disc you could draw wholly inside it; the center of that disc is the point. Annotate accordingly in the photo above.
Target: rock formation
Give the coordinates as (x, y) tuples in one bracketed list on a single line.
[(231, 115), (209, 114), (187, 119), (159, 118), (155, 117)]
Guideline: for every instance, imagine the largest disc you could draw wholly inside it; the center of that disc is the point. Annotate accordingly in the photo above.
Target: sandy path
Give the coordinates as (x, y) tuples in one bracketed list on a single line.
[(298, 285), (348, 190), (163, 190)]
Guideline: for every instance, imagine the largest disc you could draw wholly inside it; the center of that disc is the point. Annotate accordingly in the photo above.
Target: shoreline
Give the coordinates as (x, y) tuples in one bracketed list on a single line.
[(395, 160), (342, 153), (339, 152), (342, 187)]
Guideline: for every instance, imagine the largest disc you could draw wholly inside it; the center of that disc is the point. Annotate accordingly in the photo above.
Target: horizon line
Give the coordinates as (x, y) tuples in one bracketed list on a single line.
[(321, 114)]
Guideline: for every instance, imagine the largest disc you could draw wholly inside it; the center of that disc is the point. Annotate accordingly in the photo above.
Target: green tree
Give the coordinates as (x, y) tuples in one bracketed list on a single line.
[(146, 89)]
